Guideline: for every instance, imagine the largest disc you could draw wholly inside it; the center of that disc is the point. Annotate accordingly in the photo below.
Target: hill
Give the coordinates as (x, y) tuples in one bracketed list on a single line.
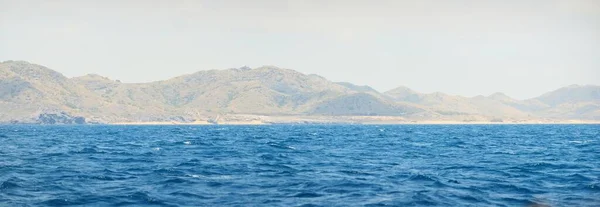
[(31, 93)]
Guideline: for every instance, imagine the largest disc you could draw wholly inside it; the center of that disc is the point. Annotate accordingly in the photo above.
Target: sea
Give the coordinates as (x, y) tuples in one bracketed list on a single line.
[(300, 165)]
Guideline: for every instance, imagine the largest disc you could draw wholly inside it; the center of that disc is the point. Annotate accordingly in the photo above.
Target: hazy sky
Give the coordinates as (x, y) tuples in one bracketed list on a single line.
[(520, 47)]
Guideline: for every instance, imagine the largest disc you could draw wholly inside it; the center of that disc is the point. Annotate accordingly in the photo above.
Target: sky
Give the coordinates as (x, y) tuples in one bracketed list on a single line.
[(462, 47)]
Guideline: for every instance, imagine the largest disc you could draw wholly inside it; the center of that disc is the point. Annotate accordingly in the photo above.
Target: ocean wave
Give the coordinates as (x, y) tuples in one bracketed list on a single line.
[(300, 165)]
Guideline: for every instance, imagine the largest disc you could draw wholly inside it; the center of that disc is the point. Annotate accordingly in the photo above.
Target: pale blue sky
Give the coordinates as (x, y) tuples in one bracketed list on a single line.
[(522, 48)]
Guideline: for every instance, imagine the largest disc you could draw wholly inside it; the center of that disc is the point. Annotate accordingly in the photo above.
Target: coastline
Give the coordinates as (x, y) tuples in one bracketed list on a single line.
[(252, 119), (256, 122), (188, 123)]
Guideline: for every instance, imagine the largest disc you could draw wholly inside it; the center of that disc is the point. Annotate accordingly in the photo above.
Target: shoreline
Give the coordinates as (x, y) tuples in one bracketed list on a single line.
[(351, 123), (250, 119)]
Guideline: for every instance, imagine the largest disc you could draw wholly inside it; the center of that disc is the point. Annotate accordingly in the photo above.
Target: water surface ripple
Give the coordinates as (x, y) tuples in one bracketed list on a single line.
[(300, 165)]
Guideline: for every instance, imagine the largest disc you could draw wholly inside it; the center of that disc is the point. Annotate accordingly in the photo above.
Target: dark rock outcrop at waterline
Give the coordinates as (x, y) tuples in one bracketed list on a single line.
[(60, 118)]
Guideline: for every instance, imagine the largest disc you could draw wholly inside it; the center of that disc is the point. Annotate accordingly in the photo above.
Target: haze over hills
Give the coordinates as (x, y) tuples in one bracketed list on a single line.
[(31, 93)]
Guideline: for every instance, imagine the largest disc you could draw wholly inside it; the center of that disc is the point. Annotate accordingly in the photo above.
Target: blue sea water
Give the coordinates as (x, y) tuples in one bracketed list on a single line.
[(300, 165)]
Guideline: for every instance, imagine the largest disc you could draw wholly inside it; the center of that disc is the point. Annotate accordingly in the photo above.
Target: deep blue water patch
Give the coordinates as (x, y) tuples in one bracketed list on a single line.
[(300, 165)]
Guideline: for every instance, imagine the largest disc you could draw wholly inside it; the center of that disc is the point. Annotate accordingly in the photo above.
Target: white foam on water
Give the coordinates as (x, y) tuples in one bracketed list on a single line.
[(580, 141), (216, 177)]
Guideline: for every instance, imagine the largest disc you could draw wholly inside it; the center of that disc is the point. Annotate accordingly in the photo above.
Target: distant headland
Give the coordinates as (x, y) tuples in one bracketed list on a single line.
[(34, 94)]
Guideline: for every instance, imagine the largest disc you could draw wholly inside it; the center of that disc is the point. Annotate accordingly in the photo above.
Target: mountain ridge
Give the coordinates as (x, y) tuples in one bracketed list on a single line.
[(29, 90)]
